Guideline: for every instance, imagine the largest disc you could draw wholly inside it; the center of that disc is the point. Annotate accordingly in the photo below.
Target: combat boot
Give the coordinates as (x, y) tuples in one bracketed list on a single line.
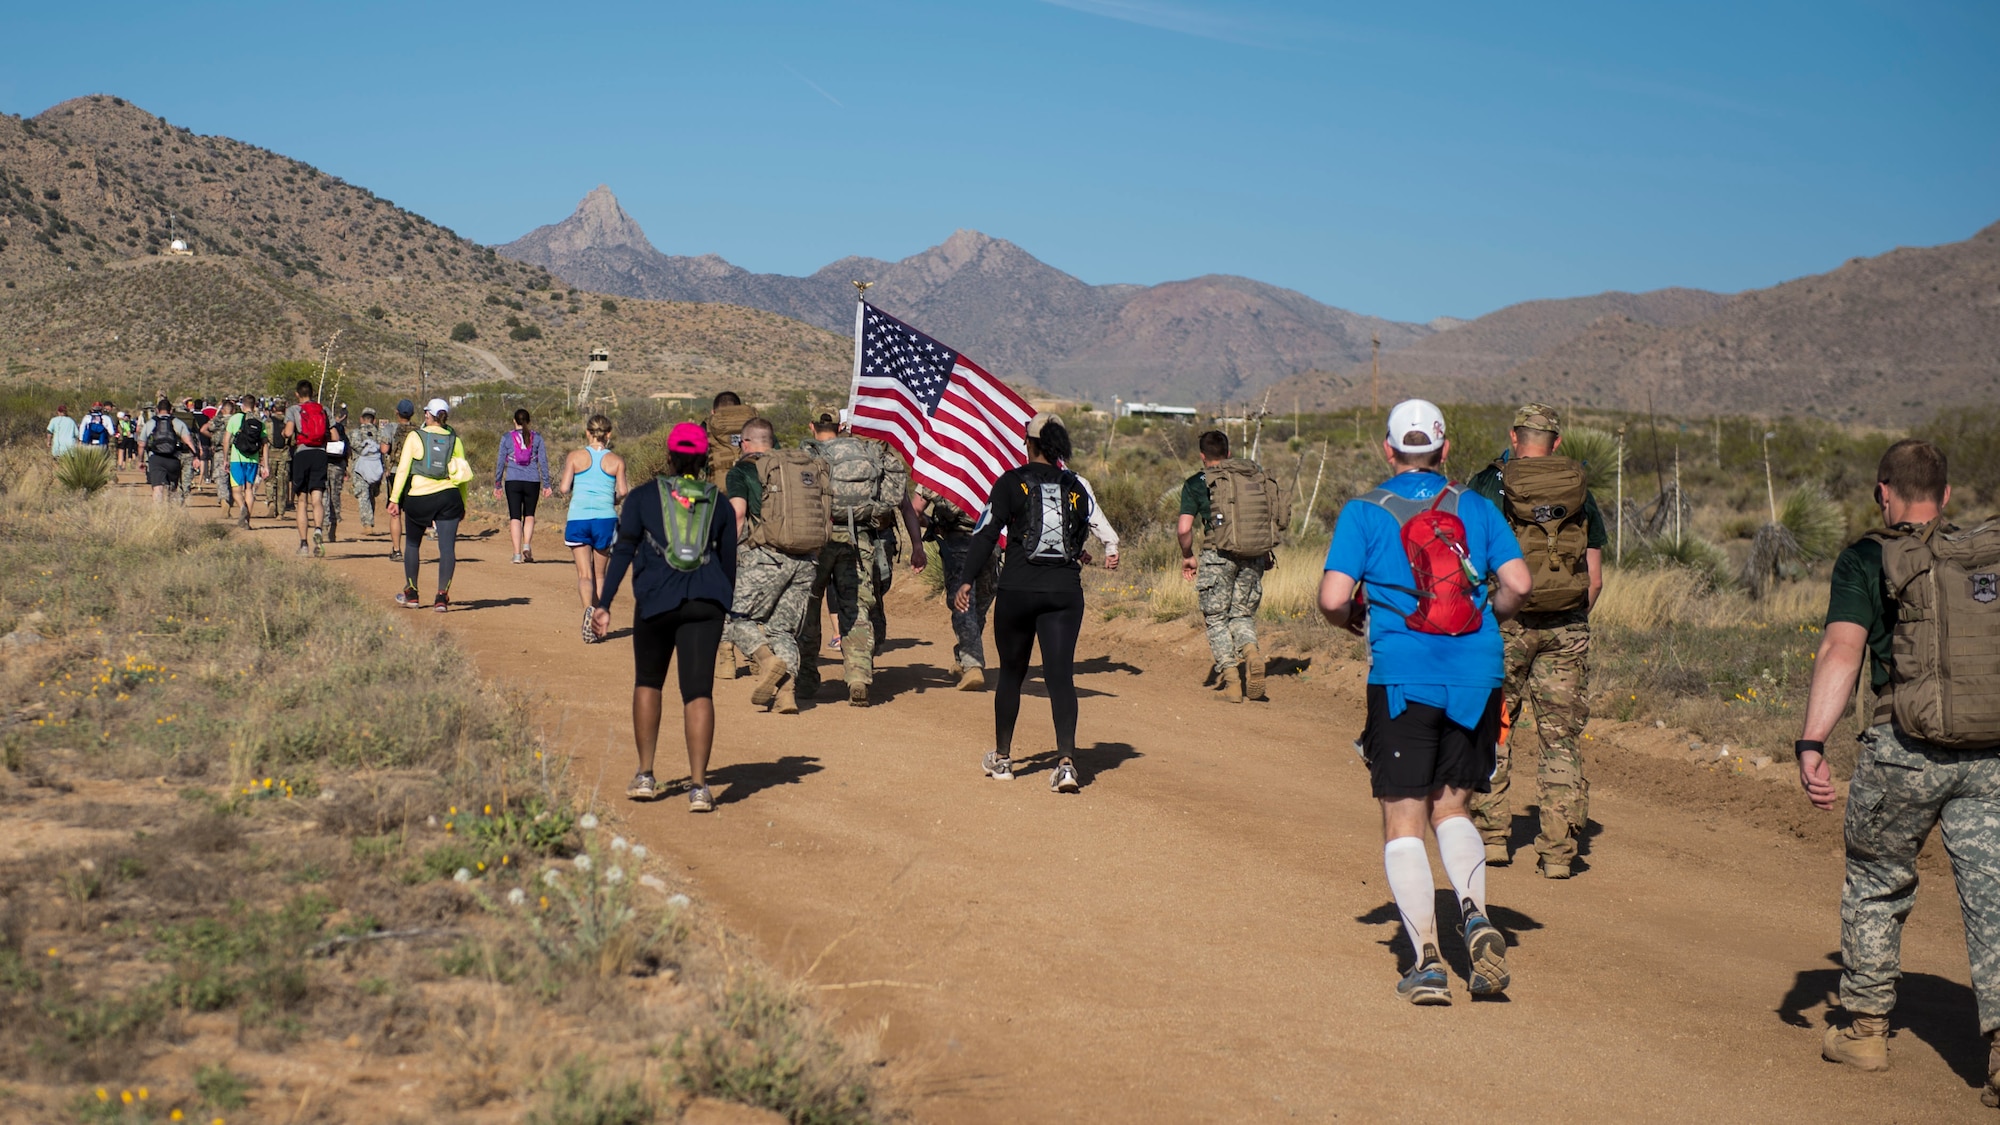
[(1253, 673), (1232, 686), (971, 679), (1862, 1044), (770, 670), (1497, 854), (1990, 1097), (857, 693), (725, 659), (787, 701)]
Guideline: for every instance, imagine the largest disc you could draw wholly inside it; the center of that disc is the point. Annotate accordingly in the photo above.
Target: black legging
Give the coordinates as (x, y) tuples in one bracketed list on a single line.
[(441, 510), (1020, 618), (692, 631)]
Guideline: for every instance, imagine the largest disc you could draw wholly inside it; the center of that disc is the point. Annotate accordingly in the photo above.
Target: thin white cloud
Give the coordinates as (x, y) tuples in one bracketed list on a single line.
[(817, 88), (1179, 18)]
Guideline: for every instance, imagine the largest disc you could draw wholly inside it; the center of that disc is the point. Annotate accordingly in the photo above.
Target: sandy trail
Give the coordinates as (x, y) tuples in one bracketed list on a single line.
[(1203, 934)]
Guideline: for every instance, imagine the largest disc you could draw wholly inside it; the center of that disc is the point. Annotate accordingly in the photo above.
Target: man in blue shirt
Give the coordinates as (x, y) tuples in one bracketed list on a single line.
[(1433, 698)]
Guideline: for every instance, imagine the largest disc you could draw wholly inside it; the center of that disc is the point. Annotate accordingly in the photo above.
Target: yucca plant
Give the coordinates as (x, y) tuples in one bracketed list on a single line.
[(84, 470), (1810, 527), (1597, 450), (1691, 552)]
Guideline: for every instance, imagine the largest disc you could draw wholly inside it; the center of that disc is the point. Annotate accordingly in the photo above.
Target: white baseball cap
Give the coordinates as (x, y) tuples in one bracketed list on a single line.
[(440, 406), (1416, 415)]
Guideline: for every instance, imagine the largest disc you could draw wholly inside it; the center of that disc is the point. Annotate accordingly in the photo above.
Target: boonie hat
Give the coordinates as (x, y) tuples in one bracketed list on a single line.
[(368, 412), (437, 406), (686, 437), (1416, 416), (1538, 416), (405, 407), (1036, 423)]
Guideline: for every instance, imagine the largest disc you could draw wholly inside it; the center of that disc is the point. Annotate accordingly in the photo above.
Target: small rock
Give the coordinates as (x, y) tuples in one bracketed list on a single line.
[(1659, 724), (1722, 753), (1694, 744), (23, 637), (679, 902), (1761, 761), (653, 882)]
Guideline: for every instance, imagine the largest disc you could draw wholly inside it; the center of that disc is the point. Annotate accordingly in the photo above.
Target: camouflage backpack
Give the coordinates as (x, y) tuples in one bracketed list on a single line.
[(1247, 507), (1544, 498), (857, 481), (1944, 676), (725, 439), (796, 511)]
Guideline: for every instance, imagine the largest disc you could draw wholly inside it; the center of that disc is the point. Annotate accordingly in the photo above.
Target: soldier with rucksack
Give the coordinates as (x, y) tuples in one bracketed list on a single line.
[(869, 482), (726, 418), (1543, 495), (782, 500), (1920, 599), (1239, 512)]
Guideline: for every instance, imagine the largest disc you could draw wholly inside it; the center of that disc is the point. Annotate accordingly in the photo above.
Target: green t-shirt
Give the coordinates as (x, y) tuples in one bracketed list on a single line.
[(1194, 501), (236, 456), (742, 484), (1486, 482), (1858, 597)]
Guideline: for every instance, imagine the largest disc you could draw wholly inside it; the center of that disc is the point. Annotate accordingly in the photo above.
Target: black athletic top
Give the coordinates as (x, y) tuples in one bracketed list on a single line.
[(1008, 511), (657, 585)]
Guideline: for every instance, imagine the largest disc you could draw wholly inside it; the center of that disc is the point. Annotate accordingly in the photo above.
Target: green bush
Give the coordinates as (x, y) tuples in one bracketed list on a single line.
[(377, 312), (608, 305), (84, 470), (464, 332), (521, 333)]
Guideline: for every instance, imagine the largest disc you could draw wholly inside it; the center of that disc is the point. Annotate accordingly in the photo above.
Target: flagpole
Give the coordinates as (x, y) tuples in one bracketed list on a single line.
[(860, 306)]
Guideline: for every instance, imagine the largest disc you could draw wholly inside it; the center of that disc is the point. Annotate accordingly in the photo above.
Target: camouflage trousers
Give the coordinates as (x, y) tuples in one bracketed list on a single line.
[(1547, 664), (364, 497), (888, 549), (188, 475), (773, 598), (1229, 589), (278, 488), (847, 571), (329, 502), (1902, 788), (968, 625)]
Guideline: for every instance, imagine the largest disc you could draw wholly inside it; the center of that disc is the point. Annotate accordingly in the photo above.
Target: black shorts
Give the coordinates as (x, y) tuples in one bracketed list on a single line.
[(420, 512), (308, 470), (691, 631), (522, 496), (163, 471), (1422, 750)]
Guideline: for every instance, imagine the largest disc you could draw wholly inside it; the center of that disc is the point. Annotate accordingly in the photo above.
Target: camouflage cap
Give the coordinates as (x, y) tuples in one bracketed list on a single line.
[(1538, 416)]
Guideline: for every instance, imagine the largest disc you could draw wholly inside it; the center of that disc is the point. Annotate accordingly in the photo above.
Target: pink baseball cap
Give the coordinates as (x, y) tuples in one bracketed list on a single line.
[(687, 437)]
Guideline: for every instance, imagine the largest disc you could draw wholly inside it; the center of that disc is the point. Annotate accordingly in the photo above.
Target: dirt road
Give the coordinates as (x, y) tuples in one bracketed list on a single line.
[(1203, 934)]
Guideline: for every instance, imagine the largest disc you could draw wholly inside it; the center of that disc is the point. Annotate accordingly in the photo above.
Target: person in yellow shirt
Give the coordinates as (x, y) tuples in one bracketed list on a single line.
[(432, 475)]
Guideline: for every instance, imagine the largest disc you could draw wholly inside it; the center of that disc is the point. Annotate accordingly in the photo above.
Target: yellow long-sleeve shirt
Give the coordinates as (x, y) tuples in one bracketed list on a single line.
[(410, 482)]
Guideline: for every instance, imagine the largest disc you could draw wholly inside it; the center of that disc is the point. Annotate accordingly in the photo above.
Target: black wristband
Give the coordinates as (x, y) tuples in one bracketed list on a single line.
[(1805, 744)]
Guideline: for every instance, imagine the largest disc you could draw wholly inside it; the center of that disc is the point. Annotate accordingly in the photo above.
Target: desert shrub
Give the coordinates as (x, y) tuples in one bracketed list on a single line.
[(1816, 522), (464, 332), (84, 470), (521, 333), (608, 305), (768, 1050), (582, 1094), (1970, 438), (1596, 449), (1700, 558), (377, 312)]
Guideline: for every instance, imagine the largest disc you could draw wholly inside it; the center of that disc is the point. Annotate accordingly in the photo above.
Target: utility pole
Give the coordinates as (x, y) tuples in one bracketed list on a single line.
[(1375, 379)]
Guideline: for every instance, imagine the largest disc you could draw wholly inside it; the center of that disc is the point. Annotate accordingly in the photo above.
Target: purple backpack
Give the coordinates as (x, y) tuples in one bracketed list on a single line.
[(524, 448)]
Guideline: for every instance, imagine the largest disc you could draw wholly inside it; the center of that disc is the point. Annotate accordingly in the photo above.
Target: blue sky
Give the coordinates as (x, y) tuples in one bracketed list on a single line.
[(1402, 160)]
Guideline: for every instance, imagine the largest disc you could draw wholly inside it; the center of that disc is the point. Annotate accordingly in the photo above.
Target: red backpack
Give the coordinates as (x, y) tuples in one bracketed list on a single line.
[(1434, 539), (312, 424)]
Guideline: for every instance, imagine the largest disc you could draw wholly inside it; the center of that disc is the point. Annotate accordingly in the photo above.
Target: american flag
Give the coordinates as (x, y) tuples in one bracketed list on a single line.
[(957, 426)]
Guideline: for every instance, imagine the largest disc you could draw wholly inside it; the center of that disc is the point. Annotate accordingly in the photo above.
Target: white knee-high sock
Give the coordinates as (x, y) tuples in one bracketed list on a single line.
[(1464, 854), (1409, 869)]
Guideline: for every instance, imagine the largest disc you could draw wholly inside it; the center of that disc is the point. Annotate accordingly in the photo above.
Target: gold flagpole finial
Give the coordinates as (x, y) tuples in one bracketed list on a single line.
[(861, 289)]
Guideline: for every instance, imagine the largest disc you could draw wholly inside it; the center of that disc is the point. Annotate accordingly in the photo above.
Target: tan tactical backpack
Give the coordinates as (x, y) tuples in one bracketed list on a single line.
[(1944, 678), (798, 501), (1544, 498), (725, 440), (1247, 508)]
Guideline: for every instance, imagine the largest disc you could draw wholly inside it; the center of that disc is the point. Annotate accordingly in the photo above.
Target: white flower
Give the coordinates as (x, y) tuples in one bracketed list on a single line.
[(679, 902), (617, 843), (582, 862), (464, 875), (587, 822), (517, 897), (551, 877), (638, 851), (614, 875)]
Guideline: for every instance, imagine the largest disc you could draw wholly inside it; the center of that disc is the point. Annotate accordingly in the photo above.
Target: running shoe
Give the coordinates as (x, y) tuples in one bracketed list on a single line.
[(443, 602), (589, 634), (644, 787), (319, 543), (700, 799), (1065, 780), (527, 554), (1427, 983), (409, 598), (998, 766), (516, 558), (395, 554), (834, 644), (305, 549), (1488, 950)]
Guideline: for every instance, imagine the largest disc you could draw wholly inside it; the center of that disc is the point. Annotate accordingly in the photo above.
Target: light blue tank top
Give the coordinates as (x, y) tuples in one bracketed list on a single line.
[(595, 491)]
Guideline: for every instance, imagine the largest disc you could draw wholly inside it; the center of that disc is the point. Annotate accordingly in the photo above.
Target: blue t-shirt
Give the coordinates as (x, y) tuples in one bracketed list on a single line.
[(1368, 546)]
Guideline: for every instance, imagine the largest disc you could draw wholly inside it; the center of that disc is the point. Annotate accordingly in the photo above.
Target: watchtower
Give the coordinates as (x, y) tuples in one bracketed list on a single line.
[(600, 363)]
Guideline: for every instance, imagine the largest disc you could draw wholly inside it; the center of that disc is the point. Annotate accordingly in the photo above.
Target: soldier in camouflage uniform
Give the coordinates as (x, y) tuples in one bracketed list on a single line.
[(405, 411), (1904, 785), (361, 438), (951, 530), (870, 482), (1229, 587), (1547, 664), (773, 587), (278, 488)]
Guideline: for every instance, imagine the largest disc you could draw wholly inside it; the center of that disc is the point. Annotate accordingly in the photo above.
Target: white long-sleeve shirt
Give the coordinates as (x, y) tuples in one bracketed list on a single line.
[(1099, 526)]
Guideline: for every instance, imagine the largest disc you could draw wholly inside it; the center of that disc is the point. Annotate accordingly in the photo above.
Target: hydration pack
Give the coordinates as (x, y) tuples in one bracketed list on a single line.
[(163, 441), (95, 432), (1434, 540), (1944, 672), (524, 448), (1544, 498), (1055, 520), (796, 512), (436, 461), (312, 424), (687, 511), (725, 439), (1247, 507), (249, 437)]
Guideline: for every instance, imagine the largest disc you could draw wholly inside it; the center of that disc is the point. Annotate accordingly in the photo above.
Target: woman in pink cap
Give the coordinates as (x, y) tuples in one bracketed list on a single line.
[(677, 535)]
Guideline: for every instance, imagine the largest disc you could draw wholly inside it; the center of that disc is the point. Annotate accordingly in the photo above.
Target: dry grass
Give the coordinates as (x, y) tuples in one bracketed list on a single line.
[(1644, 600)]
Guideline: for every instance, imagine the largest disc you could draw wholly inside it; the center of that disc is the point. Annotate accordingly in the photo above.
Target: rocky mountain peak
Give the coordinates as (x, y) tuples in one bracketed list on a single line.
[(598, 223)]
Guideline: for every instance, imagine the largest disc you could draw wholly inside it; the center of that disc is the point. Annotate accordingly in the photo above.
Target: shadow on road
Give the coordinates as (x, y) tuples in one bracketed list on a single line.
[(1287, 666), (1090, 761), (491, 603), (894, 644), (1451, 943), (1942, 1013), (1098, 665), (743, 780), (1521, 840)]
